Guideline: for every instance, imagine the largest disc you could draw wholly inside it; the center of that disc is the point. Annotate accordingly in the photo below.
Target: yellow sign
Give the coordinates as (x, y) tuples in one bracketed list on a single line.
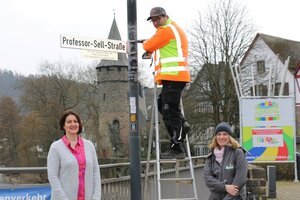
[(132, 118)]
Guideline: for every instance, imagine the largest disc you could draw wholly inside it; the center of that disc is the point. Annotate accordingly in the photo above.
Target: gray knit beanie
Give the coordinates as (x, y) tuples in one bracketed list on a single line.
[(223, 126)]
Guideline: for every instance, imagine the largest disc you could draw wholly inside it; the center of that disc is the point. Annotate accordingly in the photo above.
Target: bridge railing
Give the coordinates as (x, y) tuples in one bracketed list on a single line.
[(118, 185)]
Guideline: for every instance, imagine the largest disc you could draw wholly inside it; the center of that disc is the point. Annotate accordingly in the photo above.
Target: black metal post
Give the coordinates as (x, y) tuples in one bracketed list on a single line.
[(135, 155), (271, 171)]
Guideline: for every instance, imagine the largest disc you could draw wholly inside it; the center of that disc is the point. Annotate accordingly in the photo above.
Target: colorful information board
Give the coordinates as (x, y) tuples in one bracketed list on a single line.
[(268, 128)]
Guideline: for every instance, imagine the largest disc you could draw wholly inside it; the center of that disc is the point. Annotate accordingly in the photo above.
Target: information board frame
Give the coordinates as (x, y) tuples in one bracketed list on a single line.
[(267, 127)]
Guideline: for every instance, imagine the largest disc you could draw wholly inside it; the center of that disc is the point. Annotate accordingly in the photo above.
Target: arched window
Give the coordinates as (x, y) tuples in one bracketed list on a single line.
[(116, 126)]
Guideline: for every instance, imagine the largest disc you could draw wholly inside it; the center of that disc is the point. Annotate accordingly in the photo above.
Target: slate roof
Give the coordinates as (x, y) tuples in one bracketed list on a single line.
[(114, 34), (283, 47)]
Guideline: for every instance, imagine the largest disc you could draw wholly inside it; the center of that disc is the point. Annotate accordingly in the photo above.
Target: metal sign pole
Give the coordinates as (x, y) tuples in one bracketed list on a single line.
[(135, 157)]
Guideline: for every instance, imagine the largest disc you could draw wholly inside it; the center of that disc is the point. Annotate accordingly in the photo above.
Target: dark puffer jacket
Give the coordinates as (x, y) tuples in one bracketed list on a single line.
[(232, 171)]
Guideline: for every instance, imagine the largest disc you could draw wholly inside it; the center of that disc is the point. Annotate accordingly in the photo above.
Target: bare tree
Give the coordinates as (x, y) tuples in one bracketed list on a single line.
[(89, 104), (223, 33), (9, 120), (59, 88), (31, 131), (219, 37)]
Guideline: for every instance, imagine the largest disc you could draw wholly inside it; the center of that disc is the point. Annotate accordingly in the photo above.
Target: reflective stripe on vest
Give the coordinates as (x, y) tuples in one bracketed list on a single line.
[(173, 59), (178, 40), (157, 56), (178, 58), (173, 69)]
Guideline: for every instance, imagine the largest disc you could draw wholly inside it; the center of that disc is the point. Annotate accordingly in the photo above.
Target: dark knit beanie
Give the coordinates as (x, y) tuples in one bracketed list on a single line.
[(223, 126)]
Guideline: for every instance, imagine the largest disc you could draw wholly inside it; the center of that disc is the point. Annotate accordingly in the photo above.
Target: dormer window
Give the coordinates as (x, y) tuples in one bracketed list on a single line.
[(260, 67)]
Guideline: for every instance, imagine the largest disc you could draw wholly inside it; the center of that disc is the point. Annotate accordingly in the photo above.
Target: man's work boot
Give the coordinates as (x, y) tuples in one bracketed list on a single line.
[(176, 151), (180, 135), (185, 128), (171, 154), (181, 147)]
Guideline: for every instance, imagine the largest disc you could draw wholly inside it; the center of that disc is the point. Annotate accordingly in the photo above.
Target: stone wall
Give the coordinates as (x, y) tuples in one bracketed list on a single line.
[(256, 183)]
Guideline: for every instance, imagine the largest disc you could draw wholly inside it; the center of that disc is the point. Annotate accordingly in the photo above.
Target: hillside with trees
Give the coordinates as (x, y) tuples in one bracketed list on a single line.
[(8, 84), (30, 108)]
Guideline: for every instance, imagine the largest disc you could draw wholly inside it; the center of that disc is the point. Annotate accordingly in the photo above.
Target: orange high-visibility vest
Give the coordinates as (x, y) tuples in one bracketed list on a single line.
[(171, 53)]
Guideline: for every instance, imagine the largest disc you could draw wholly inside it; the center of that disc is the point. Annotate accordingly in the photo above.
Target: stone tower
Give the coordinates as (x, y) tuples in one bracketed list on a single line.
[(113, 103)]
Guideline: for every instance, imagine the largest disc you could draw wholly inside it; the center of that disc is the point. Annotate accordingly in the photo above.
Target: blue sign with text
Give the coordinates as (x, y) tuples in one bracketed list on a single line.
[(31, 193)]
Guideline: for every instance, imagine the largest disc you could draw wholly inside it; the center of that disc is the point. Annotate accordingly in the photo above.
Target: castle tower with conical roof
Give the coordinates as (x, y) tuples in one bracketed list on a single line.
[(113, 103)]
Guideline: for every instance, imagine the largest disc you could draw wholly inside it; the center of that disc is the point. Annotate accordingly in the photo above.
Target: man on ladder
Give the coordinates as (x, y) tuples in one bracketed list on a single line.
[(170, 47)]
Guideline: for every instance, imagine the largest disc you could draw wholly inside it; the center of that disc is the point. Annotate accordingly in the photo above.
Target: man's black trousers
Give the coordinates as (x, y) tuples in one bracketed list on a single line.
[(169, 107)]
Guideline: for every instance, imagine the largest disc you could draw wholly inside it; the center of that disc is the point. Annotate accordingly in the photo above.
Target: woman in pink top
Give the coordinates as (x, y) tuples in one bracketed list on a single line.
[(72, 164)]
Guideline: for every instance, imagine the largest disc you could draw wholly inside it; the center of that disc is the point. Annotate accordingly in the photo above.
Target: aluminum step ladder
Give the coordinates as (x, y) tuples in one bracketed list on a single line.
[(177, 180)]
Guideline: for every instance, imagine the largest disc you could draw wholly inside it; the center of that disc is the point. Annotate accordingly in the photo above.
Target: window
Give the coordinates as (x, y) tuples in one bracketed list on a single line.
[(103, 96), (203, 107), (206, 86), (105, 154), (116, 125), (285, 89), (260, 66), (261, 90), (108, 69)]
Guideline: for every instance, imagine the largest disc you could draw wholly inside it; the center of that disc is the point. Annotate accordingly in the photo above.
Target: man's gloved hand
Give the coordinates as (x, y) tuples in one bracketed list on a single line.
[(141, 41), (147, 55)]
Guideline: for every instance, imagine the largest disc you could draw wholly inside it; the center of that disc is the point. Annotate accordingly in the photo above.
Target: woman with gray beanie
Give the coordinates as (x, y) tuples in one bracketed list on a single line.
[(225, 170)]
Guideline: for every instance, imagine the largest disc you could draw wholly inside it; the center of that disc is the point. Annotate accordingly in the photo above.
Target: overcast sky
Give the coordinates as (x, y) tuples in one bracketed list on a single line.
[(30, 29)]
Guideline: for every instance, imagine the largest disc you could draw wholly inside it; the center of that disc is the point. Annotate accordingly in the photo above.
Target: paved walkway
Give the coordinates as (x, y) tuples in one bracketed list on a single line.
[(287, 190)]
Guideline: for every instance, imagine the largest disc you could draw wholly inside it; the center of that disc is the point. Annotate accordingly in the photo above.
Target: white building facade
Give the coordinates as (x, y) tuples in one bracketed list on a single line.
[(269, 64)]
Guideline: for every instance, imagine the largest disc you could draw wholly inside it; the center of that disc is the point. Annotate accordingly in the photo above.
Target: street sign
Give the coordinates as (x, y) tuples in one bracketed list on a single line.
[(76, 42), (105, 55)]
